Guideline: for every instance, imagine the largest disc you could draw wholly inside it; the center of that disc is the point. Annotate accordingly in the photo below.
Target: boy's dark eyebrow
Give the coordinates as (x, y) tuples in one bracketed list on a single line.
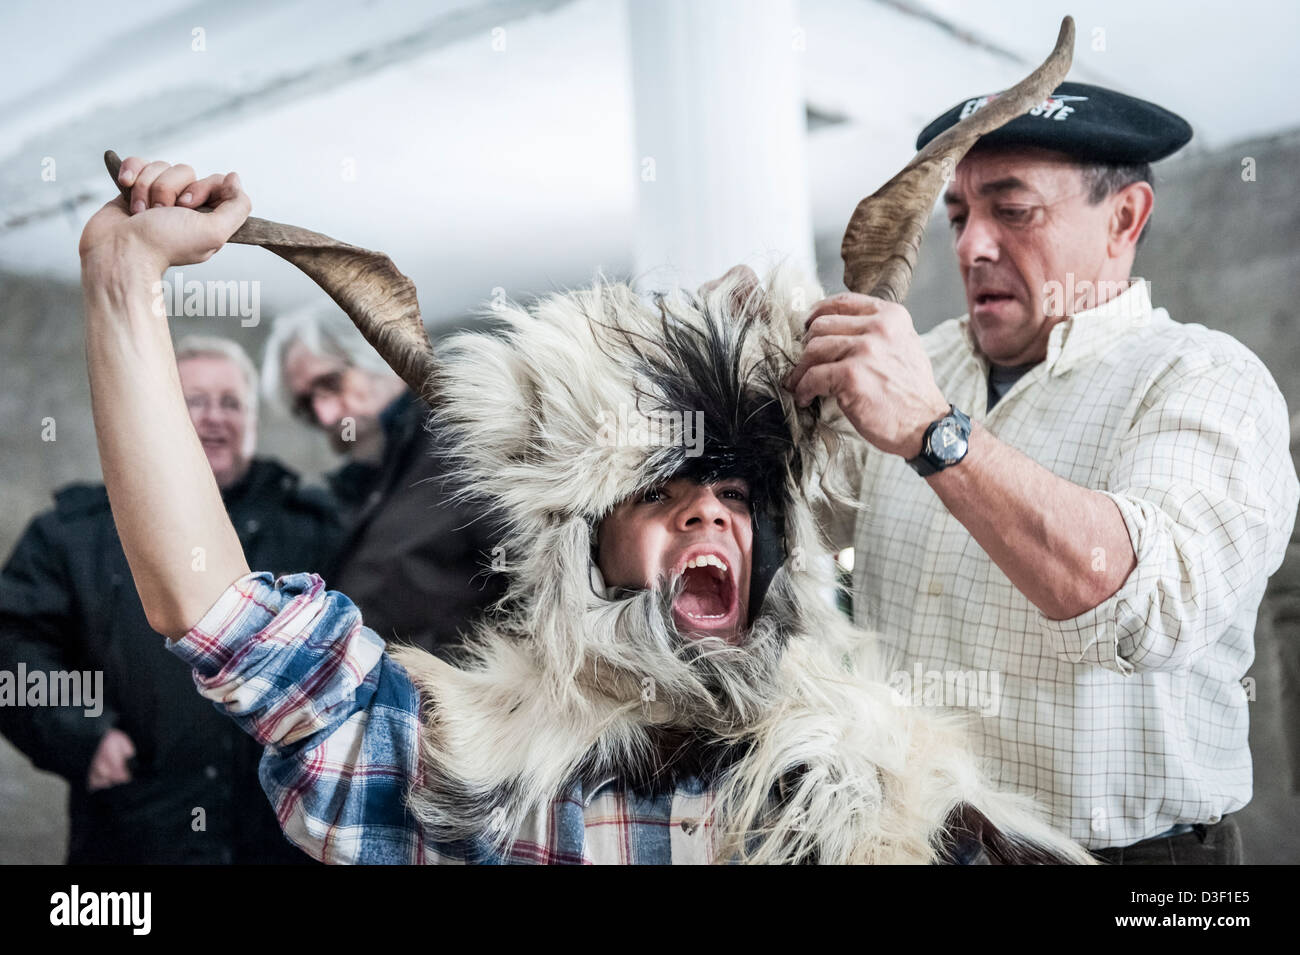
[(989, 188)]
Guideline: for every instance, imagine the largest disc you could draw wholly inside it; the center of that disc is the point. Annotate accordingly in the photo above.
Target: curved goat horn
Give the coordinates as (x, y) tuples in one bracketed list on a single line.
[(884, 233), (378, 298)]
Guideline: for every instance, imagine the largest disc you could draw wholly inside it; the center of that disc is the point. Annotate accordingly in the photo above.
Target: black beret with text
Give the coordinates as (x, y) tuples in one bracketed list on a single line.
[(1085, 121)]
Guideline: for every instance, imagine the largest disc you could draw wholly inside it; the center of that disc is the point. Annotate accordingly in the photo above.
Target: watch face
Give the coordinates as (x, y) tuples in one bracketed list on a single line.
[(947, 443)]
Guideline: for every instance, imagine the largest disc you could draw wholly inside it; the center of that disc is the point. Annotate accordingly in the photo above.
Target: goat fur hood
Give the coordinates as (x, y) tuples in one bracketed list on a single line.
[(808, 752)]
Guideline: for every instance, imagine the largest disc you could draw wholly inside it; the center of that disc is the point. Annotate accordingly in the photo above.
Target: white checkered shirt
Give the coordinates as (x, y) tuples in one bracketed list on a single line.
[(1131, 717)]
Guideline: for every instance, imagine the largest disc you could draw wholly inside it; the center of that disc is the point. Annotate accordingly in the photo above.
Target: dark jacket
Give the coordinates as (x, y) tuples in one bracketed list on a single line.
[(67, 602), (417, 564)]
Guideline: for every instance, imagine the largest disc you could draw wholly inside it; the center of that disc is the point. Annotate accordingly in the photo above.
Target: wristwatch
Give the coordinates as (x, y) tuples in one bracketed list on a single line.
[(945, 444)]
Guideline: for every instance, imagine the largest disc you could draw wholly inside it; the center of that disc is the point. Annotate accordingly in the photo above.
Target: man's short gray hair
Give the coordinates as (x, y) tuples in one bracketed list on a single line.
[(210, 346), (322, 330), (1104, 179)]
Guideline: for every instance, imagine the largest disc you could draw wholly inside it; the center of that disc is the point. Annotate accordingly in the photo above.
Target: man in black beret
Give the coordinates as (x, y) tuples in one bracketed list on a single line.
[(1103, 491)]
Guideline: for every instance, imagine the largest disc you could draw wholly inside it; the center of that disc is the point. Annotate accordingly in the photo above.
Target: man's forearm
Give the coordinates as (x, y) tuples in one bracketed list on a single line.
[(1063, 546), (177, 537)]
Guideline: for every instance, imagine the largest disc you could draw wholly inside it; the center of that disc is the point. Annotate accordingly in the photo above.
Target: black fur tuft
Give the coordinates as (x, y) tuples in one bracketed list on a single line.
[(700, 367)]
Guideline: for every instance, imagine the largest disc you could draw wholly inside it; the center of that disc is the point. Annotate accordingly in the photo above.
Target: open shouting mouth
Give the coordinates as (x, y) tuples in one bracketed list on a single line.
[(708, 604)]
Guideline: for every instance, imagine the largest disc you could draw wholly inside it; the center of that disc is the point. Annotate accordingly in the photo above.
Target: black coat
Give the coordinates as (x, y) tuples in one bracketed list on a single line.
[(416, 563), (67, 602)]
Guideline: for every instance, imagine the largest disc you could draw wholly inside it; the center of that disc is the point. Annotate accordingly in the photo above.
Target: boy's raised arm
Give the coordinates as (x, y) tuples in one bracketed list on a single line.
[(181, 546)]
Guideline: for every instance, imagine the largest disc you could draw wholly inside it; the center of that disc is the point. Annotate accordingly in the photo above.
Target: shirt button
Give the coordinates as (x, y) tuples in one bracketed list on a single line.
[(690, 825), (210, 772), (936, 589)]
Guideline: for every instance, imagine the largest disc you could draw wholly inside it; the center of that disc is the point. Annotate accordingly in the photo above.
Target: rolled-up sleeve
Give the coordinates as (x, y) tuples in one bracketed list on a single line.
[(293, 665), (1207, 490)]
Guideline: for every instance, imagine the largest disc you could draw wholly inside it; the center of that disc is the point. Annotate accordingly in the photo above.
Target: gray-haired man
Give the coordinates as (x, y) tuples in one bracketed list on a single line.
[(416, 563), (1103, 492), (155, 774)]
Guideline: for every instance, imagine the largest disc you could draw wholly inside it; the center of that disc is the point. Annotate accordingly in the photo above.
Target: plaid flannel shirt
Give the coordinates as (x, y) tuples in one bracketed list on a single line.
[(340, 720)]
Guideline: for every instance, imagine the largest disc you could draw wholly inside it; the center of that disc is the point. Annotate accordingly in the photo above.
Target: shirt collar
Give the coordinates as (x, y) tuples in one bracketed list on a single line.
[(1091, 332), (1087, 333)]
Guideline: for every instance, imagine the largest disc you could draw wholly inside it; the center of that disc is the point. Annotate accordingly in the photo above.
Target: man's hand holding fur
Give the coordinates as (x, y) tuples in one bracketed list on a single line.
[(864, 353)]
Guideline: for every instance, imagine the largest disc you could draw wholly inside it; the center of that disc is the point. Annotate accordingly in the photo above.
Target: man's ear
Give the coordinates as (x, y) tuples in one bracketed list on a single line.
[(1131, 208)]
